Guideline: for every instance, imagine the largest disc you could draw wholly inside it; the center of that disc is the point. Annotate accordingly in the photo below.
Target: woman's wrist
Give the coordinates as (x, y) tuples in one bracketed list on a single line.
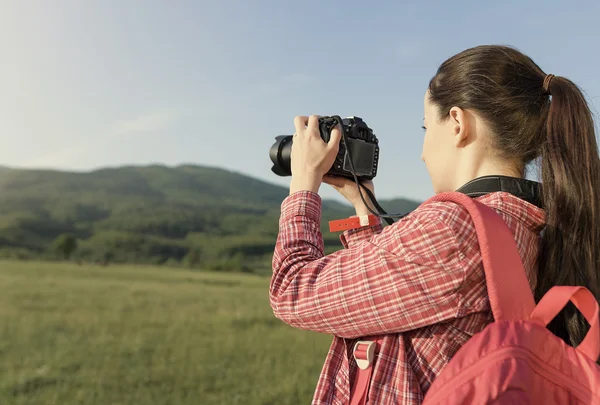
[(361, 209), (305, 182)]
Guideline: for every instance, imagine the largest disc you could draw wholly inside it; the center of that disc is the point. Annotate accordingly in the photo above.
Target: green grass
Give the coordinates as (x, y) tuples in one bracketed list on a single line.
[(140, 335)]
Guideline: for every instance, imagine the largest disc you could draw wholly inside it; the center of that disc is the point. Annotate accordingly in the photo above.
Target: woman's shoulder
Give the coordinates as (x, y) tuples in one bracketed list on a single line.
[(443, 231), (514, 211), (447, 212), (427, 233), (437, 213)]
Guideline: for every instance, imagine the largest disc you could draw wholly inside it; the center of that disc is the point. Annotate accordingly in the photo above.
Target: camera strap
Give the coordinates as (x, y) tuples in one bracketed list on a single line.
[(527, 190)]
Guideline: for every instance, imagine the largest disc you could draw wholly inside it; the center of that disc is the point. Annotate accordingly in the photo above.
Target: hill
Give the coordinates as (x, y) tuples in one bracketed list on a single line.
[(198, 216)]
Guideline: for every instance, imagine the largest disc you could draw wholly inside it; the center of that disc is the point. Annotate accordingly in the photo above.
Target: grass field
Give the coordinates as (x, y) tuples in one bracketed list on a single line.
[(139, 335)]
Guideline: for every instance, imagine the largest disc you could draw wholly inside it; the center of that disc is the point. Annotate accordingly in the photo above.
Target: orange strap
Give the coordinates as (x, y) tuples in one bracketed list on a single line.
[(353, 222), (364, 354)]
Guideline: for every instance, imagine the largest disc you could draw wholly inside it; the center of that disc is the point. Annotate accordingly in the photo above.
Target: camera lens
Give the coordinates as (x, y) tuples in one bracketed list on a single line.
[(280, 154)]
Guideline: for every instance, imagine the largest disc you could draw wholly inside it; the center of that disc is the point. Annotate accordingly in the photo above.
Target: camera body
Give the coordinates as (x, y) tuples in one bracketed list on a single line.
[(360, 149)]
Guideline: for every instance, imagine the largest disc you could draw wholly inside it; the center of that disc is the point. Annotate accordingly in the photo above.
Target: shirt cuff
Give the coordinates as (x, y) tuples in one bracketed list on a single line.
[(302, 203)]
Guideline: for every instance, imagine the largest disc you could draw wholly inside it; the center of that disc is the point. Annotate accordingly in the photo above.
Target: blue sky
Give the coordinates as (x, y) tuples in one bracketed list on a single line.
[(89, 84)]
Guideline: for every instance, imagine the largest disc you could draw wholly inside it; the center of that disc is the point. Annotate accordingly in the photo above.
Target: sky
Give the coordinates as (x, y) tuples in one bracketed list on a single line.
[(93, 84)]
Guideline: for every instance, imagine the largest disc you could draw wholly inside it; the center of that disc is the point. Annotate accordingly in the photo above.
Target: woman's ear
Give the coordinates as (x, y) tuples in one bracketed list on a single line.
[(459, 126)]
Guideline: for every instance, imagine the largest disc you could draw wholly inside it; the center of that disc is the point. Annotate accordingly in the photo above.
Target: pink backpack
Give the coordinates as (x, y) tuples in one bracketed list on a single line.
[(515, 359)]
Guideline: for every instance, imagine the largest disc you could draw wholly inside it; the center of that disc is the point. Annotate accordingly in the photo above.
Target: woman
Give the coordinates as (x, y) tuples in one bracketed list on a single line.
[(489, 110)]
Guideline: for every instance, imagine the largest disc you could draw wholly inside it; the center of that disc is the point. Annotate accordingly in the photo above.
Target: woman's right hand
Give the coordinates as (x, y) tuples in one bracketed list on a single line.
[(349, 190)]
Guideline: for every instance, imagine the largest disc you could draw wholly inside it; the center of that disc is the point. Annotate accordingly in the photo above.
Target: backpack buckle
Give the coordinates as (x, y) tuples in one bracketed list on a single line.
[(363, 353)]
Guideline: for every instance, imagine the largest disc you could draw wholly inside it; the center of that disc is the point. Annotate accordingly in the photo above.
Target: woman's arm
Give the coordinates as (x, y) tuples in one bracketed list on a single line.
[(407, 276)]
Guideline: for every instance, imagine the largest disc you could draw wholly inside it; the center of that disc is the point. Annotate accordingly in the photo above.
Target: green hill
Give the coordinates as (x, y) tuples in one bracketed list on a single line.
[(191, 215)]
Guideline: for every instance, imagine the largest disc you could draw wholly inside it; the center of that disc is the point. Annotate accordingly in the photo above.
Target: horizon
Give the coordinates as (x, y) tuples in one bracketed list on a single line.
[(89, 86), (175, 166)]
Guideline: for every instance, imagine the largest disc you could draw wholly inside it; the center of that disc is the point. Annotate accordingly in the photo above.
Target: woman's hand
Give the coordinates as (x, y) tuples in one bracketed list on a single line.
[(348, 188), (311, 157)]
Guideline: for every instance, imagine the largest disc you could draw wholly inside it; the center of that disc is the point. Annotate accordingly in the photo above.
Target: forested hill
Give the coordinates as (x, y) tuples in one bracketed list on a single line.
[(191, 215)]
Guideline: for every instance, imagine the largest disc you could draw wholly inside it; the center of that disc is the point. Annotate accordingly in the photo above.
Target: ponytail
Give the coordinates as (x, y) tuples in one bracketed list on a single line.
[(529, 113), (570, 168)]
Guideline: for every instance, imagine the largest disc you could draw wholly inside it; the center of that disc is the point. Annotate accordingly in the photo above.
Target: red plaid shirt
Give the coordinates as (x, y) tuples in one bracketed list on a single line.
[(419, 282)]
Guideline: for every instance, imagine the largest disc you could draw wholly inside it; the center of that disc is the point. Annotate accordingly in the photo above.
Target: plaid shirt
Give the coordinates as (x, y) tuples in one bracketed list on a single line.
[(419, 282)]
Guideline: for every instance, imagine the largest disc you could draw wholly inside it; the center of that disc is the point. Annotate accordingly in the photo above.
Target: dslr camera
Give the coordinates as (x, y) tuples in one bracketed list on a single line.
[(358, 153)]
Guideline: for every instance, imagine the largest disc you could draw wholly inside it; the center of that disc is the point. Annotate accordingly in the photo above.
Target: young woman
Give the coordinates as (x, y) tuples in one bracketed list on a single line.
[(489, 110)]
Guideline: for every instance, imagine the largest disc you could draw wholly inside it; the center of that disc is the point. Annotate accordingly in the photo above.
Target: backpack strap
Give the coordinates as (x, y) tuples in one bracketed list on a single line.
[(509, 291), (556, 299), (364, 353), (507, 285)]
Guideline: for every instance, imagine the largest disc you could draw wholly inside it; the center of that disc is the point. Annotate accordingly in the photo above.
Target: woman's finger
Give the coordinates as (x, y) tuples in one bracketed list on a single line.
[(335, 137), (333, 181), (328, 180), (300, 122), (313, 124)]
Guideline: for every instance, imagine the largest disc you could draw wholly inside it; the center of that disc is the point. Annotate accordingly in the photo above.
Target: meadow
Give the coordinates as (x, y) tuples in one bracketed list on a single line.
[(116, 335)]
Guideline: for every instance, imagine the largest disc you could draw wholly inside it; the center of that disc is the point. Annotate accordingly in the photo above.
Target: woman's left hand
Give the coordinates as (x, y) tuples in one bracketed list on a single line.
[(350, 191), (311, 158)]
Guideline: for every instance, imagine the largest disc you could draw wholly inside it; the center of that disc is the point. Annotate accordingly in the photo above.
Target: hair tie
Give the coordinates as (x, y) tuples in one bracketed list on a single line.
[(547, 81)]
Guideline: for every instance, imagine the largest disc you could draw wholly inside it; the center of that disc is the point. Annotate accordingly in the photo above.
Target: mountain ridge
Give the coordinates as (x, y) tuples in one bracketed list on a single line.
[(150, 213)]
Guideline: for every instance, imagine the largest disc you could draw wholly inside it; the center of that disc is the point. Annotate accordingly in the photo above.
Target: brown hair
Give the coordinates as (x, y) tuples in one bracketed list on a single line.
[(528, 117)]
